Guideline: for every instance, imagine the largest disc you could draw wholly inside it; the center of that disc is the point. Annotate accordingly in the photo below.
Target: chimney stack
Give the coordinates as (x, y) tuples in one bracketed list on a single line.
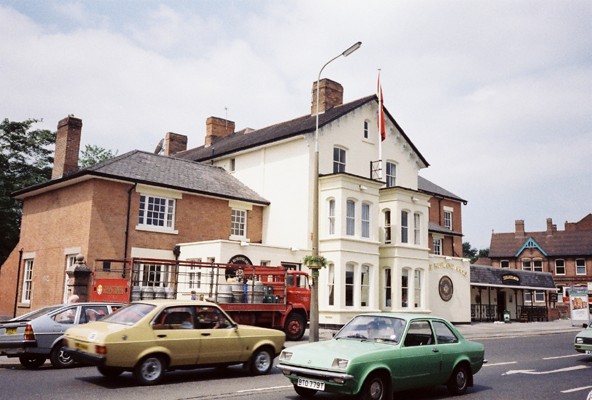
[(550, 227), (174, 143), (217, 128), (519, 227), (330, 95), (67, 147)]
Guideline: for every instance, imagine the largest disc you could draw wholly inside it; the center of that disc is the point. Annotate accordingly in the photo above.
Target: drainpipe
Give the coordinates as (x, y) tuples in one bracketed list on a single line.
[(127, 224), (18, 278)]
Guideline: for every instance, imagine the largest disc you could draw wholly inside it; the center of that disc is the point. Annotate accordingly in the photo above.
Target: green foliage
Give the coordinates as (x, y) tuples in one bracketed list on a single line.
[(472, 253), (26, 159), (92, 155)]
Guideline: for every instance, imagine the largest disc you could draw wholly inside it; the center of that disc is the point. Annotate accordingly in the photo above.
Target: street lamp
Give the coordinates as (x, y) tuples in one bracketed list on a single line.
[(314, 301)]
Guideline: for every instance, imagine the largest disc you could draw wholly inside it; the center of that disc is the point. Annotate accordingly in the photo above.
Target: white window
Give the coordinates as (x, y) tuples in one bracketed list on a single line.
[(404, 227), (526, 264), (331, 217), (448, 219), (418, 280), (387, 226), (391, 174), (331, 283), (537, 265), (70, 261), (157, 212), (365, 286), (338, 160), (27, 281), (539, 296), (350, 218), (238, 224), (505, 264), (405, 288), (417, 229), (157, 275), (349, 284), (232, 164), (438, 246), (559, 267), (387, 287), (366, 129), (365, 220), (580, 266)]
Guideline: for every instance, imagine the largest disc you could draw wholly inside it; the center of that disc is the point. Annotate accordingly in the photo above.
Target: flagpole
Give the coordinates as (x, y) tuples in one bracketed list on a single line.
[(380, 127)]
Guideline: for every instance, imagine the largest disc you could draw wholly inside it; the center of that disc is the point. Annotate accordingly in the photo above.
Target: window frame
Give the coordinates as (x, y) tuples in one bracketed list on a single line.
[(350, 217), (167, 207), (557, 266), (238, 224), (391, 174), (448, 219), (580, 269), (365, 220), (339, 160), (27, 286), (404, 226), (331, 216)]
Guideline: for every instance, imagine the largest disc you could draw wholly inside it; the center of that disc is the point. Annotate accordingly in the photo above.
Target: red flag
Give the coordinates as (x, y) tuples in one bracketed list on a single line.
[(381, 119)]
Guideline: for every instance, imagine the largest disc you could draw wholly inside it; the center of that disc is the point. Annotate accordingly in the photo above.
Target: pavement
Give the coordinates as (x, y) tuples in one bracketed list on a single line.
[(473, 331)]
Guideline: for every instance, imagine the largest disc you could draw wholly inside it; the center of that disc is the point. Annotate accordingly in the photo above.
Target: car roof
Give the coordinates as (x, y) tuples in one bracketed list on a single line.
[(405, 316), (172, 302)]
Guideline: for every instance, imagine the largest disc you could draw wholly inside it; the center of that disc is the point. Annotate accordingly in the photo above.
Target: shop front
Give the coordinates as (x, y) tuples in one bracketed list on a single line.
[(501, 294)]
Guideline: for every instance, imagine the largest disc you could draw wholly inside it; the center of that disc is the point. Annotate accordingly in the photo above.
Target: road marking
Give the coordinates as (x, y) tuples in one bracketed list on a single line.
[(533, 372), (576, 389), (262, 389), (569, 356), (500, 363)]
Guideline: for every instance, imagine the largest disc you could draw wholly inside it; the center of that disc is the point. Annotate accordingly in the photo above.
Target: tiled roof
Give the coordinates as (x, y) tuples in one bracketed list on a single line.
[(555, 244), (432, 227), (492, 276), (243, 140), (424, 185), (151, 169)]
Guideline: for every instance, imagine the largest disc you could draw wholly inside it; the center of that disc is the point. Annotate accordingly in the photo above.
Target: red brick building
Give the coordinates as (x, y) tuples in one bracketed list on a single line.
[(135, 203)]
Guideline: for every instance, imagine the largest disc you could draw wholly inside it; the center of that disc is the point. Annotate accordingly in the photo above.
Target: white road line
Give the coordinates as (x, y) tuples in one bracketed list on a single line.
[(500, 363), (262, 389), (576, 389), (569, 356), (533, 372)]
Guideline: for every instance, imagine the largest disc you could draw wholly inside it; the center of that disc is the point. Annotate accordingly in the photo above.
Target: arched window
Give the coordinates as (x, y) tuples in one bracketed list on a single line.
[(404, 226), (350, 218), (387, 227), (331, 214), (365, 220)]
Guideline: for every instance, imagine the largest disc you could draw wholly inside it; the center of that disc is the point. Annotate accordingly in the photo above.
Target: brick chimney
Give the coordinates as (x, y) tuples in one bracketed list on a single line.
[(67, 147), (330, 95), (519, 227), (217, 128), (550, 227), (174, 143)]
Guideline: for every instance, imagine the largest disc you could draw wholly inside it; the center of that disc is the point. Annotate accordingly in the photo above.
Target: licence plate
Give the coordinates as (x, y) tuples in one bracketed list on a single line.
[(11, 331), (81, 346), (310, 384)]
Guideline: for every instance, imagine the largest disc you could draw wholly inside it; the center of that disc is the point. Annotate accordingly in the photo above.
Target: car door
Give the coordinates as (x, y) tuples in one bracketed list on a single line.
[(418, 361), (220, 339), (449, 347), (174, 330)]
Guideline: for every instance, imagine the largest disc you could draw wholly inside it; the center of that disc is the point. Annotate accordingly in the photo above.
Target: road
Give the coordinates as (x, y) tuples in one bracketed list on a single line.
[(541, 367)]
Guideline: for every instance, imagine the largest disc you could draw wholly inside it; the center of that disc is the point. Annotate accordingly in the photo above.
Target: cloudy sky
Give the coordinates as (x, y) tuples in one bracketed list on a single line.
[(496, 95)]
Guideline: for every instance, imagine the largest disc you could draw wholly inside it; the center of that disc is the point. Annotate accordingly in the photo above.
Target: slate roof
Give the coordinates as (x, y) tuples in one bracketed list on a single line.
[(557, 244), (243, 140), (142, 167), (432, 227), (492, 276), (424, 185)]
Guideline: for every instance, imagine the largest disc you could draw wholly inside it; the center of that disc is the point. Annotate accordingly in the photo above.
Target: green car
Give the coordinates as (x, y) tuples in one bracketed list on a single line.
[(583, 340), (375, 355)]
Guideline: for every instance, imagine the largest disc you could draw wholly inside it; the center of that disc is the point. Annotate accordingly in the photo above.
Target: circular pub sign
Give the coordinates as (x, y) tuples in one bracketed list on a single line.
[(445, 288)]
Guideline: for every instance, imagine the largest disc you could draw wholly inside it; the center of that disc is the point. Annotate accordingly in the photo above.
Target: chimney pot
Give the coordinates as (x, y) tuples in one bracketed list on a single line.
[(67, 147)]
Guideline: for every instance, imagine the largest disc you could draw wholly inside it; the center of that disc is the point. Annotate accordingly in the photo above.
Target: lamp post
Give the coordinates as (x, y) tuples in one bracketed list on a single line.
[(314, 301)]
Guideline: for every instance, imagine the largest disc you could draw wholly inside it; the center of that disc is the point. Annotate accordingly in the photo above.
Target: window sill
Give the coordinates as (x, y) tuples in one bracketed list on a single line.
[(156, 229)]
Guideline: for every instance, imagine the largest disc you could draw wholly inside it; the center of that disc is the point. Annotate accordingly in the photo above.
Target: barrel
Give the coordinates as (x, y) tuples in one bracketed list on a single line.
[(258, 292), (238, 292), (136, 293), (159, 293), (225, 294), (147, 292), (170, 293)]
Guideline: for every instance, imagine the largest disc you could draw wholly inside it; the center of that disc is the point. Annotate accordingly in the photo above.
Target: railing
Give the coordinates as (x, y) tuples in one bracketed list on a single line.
[(532, 313), (483, 312)]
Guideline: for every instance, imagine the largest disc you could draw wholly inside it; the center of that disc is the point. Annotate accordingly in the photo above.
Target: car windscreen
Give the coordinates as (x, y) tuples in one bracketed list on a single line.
[(369, 327), (130, 314), (37, 313)]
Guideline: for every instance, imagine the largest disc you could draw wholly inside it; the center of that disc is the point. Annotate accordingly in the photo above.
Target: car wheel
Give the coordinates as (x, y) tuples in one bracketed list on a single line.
[(459, 380), (150, 370), (261, 361), (60, 358), (376, 387), (31, 362), (305, 392), (294, 327), (109, 372)]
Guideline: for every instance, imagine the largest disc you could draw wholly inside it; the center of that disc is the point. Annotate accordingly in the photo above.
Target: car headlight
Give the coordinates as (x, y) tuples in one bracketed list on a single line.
[(340, 363), (285, 356), (579, 340)]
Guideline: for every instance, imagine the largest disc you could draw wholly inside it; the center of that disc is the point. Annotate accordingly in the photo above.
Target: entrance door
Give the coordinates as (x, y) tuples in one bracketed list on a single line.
[(501, 305)]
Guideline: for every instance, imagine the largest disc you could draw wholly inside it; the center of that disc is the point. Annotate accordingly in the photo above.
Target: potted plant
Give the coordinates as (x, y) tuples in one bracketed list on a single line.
[(315, 261)]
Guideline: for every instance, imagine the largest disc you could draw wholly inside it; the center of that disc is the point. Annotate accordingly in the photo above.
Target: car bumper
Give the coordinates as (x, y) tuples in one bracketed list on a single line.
[(87, 358), (335, 382)]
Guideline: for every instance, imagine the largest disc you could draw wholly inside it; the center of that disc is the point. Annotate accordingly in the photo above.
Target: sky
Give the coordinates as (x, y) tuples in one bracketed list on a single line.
[(496, 95)]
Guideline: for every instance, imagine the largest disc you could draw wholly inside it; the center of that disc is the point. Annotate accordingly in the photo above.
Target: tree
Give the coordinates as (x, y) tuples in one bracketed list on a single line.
[(26, 159), (472, 253), (92, 155)]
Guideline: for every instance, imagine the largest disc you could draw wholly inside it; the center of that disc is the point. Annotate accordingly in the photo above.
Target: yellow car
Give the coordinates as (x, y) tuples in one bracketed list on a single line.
[(150, 337)]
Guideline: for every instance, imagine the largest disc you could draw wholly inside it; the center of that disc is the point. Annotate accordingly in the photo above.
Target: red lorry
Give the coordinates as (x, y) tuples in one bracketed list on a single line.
[(274, 297)]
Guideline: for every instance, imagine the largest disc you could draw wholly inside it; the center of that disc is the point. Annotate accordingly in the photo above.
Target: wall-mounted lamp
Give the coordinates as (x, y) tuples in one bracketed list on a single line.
[(244, 243), (363, 188)]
